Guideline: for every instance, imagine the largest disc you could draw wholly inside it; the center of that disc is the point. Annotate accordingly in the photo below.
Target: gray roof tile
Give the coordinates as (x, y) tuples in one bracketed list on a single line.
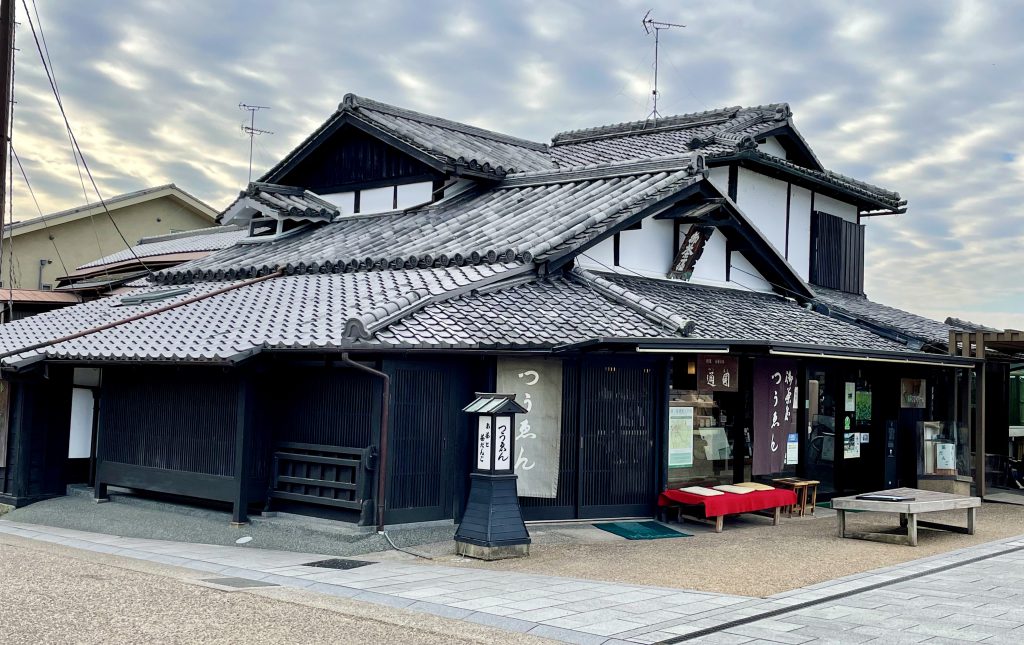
[(204, 239), (859, 307)]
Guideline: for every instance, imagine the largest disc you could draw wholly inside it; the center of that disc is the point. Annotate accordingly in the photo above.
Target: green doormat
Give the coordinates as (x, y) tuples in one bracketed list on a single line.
[(641, 530)]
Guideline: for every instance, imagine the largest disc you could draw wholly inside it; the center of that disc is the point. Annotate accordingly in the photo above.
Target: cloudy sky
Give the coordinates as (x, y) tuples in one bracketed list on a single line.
[(923, 97)]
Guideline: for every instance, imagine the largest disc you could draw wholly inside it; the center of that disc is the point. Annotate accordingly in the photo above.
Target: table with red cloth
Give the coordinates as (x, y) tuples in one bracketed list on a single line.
[(718, 506)]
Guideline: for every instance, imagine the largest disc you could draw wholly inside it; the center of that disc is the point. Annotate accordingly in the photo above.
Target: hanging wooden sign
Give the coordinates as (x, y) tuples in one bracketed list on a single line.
[(717, 373)]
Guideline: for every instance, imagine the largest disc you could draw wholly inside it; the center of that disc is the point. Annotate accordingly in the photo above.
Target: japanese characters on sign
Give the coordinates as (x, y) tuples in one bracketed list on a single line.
[(483, 443), (537, 384), (716, 373), (503, 443), (774, 414)]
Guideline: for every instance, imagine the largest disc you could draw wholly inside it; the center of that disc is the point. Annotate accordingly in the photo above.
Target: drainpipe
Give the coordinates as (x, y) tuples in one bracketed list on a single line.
[(382, 467), (145, 314)]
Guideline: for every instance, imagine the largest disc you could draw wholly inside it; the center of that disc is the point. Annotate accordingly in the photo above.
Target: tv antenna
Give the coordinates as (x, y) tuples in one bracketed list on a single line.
[(656, 27), (251, 129)]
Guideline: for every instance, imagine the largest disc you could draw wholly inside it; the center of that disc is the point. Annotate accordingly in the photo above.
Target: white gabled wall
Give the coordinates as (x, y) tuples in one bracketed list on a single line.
[(744, 273), (772, 147), (379, 200), (835, 207), (763, 200), (710, 266), (800, 230), (719, 178), (600, 257), (647, 250)]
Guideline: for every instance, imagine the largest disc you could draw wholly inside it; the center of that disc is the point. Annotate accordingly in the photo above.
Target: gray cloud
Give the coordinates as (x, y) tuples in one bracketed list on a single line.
[(917, 96)]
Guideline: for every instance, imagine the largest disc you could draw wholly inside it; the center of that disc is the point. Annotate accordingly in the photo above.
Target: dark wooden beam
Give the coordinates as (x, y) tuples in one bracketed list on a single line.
[(243, 445)]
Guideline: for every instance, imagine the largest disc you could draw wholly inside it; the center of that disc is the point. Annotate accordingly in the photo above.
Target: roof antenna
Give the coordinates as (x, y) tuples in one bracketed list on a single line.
[(656, 27), (251, 129)]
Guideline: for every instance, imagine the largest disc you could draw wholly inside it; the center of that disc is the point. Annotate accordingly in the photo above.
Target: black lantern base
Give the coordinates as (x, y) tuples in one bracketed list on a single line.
[(492, 527)]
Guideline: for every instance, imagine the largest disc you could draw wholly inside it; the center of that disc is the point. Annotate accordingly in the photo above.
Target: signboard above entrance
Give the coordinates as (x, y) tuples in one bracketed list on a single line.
[(717, 373)]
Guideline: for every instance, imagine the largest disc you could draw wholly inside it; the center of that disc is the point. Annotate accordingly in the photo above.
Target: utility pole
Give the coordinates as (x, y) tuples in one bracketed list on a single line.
[(251, 129), (6, 72), (656, 26)]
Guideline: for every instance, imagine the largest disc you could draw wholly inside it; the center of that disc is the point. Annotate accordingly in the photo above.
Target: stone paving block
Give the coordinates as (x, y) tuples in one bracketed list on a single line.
[(609, 627), (651, 637), (479, 603), (724, 638), (824, 633), (501, 622), (383, 599), (497, 610), (439, 610), (566, 635), (768, 636), (540, 615), (535, 603), (963, 634), (593, 604), (333, 590)]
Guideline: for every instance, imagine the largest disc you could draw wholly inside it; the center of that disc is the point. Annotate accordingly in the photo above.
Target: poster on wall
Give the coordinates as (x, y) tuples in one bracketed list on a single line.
[(851, 445), (864, 405), (537, 384), (680, 437), (774, 418), (851, 389), (717, 373), (792, 449), (912, 393)]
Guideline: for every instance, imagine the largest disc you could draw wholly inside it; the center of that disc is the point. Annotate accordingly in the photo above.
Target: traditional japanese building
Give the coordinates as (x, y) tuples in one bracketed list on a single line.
[(673, 301)]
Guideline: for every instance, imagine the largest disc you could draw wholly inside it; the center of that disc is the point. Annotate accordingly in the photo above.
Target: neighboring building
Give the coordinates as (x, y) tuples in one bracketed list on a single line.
[(21, 303), (46, 248), (676, 299)]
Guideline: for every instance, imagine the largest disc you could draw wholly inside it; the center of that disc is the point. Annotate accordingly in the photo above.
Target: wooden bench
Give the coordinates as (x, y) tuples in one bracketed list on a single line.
[(924, 501), (718, 506)]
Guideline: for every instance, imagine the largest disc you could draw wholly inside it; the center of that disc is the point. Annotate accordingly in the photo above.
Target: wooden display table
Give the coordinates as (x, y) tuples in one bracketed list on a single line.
[(801, 488), (924, 501)]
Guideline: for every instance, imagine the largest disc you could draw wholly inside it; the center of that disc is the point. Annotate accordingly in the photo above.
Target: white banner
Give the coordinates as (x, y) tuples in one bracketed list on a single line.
[(537, 384)]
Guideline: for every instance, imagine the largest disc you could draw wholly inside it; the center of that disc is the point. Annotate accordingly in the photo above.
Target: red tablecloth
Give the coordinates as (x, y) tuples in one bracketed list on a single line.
[(730, 503)]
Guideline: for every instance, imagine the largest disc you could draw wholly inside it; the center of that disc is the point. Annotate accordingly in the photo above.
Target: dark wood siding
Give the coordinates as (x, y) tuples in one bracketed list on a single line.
[(428, 430), (170, 419), (335, 406), (351, 158), (40, 418), (837, 253)]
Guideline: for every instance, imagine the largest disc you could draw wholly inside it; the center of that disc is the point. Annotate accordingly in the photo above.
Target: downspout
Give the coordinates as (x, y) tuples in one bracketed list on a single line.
[(385, 400), (145, 314)]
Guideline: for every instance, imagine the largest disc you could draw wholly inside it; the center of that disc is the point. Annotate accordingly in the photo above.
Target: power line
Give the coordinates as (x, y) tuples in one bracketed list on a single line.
[(31, 192), (74, 139)]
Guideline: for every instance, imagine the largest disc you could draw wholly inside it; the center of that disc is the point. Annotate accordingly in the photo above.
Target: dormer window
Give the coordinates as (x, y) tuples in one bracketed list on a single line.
[(271, 211)]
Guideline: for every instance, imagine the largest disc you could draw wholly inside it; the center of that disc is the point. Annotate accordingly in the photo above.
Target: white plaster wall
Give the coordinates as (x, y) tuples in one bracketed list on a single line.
[(711, 265), (772, 147), (376, 200), (647, 250), (835, 207), (601, 257), (719, 178), (763, 200), (410, 195), (800, 231), (344, 201), (744, 274)]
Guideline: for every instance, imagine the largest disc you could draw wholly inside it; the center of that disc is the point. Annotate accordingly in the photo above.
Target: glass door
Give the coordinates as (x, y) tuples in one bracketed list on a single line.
[(821, 444)]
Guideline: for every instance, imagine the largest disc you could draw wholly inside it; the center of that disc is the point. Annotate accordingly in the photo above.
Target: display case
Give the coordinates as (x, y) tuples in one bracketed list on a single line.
[(700, 451), (944, 450)]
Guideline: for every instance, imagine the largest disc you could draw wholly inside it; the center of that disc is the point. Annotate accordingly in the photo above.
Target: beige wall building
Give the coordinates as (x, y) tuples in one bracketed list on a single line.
[(49, 247)]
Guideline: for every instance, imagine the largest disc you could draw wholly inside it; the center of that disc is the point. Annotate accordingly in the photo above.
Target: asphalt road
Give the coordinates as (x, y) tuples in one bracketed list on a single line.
[(55, 594)]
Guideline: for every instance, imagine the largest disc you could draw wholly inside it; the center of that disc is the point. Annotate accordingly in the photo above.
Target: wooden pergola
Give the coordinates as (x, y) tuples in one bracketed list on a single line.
[(975, 344)]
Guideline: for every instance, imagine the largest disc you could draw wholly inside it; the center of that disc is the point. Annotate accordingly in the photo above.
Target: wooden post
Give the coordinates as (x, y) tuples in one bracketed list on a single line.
[(243, 423), (6, 69)]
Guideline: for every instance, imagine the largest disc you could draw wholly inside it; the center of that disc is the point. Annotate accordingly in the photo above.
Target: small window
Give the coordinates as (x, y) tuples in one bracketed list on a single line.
[(262, 226)]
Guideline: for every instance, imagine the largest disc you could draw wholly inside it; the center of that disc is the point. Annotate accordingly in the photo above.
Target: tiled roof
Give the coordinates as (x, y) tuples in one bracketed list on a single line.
[(448, 142), (204, 239), (859, 307), (729, 314), (279, 202), (530, 216), (530, 315), (713, 132), (305, 311)]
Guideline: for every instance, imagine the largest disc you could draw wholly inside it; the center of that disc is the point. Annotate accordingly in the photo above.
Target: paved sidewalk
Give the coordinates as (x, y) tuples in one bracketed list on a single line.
[(581, 611)]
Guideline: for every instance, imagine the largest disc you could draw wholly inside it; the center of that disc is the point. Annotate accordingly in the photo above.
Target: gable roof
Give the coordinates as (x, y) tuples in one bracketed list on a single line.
[(443, 143), (528, 215), (197, 240), (113, 203)]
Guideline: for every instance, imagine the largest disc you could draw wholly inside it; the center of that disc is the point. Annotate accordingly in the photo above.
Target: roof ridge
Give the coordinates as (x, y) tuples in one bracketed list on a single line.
[(177, 235), (779, 111), (353, 101), (690, 161), (98, 204), (661, 315)]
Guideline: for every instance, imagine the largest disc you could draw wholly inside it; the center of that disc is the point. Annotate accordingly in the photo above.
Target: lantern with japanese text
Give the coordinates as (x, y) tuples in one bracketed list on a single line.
[(492, 526)]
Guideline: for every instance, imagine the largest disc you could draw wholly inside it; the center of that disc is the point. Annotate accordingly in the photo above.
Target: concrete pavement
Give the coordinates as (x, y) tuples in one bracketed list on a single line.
[(587, 611)]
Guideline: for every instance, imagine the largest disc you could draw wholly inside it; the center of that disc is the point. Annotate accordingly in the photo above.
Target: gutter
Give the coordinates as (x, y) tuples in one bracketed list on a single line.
[(385, 400), (139, 316)]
